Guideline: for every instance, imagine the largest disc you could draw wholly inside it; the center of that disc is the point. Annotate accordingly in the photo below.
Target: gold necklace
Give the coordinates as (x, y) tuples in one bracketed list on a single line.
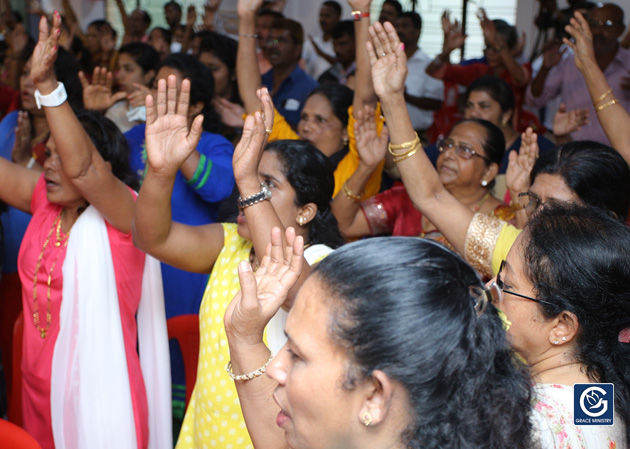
[(43, 331)]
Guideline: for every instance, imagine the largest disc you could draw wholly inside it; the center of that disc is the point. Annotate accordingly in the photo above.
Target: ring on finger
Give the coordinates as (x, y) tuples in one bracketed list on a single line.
[(268, 131)]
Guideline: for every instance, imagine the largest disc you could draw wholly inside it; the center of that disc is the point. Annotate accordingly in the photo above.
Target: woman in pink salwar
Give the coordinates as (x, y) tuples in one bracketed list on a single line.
[(83, 283)]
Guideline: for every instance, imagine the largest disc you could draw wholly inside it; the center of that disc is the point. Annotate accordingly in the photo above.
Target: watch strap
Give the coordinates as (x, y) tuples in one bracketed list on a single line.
[(263, 195), (53, 99)]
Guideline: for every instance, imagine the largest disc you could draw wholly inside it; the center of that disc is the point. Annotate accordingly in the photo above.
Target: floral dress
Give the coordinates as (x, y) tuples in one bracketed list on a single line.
[(553, 423)]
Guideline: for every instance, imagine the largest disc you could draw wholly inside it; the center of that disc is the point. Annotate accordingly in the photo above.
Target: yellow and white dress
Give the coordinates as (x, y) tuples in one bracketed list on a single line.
[(214, 417)]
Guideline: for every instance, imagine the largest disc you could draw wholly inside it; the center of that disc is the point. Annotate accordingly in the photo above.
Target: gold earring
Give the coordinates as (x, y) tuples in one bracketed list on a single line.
[(367, 419), (300, 221)]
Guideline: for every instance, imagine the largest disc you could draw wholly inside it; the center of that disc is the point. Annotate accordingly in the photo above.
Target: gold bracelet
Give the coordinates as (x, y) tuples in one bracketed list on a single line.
[(601, 107), (249, 376), (401, 157), (604, 95), (404, 146), (351, 196)]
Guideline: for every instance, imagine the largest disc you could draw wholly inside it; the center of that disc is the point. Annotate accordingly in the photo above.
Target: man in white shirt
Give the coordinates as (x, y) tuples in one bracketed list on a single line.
[(423, 93), (318, 52)]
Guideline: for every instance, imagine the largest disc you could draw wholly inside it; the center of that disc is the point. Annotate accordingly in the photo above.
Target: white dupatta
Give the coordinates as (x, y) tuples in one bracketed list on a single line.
[(90, 396)]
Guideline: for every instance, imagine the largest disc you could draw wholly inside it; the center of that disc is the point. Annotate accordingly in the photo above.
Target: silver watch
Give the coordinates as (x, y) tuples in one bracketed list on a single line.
[(263, 195)]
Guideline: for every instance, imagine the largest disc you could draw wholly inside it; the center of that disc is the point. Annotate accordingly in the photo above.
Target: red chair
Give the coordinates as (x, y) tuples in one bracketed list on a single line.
[(15, 406), (14, 437), (185, 329)]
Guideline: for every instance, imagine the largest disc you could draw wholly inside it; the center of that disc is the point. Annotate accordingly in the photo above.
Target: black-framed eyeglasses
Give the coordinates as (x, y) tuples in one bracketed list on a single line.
[(462, 151), (497, 291), (533, 203)]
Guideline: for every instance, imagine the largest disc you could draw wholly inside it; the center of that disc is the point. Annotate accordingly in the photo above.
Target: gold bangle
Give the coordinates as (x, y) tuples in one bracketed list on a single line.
[(604, 95), (401, 157), (249, 376), (404, 146), (351, 196), (601, 107)]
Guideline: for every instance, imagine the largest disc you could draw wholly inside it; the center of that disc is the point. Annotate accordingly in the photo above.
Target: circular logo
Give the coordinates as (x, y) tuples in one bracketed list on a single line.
[(592, 402)]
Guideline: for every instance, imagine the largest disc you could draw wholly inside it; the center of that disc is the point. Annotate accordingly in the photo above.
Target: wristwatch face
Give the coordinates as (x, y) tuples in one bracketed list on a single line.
[(356, 15)]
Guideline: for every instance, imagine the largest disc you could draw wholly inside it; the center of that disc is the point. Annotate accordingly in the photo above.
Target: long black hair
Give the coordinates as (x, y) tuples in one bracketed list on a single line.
[(310, 173), (595, 172), (578, 259), (413, 309), (201, 87)]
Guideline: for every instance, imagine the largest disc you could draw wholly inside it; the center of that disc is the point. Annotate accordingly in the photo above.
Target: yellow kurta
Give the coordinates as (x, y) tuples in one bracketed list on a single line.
[(348, 165), (213, 417)]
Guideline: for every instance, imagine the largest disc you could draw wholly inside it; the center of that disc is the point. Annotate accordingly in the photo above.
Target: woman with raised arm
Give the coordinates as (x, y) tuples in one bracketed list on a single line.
[(611, 114), (468, 163), (326, 119), (283, 184), (370, 338), (84, 283), (566, 174)]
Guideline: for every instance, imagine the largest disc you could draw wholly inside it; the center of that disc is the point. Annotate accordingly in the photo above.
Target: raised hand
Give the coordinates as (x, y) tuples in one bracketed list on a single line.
[(372, 148), (45, 53), (22, 146), (139, 95), (521, 164), (360, 5), (388, 61), (453, 36), (582, 44), (231, 113), (17, 39), (262, 294), (98, 96), (191, 16), (566, 122), (552, 54), (488, 28), (248, 6), (168, 141), (248, 152)]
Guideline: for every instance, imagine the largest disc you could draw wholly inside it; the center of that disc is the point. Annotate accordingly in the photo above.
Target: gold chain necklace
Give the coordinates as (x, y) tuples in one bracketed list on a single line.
[(44, 330)]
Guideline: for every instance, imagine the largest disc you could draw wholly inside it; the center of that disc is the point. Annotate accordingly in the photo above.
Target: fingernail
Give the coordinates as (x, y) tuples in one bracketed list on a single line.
[(402, 46), (244, 266), (55, 49)]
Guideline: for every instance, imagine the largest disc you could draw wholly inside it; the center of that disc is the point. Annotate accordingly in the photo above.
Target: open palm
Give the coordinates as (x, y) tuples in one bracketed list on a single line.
[(520, 164), (98, 96), (262, 294), (169, 143), (388, 60)]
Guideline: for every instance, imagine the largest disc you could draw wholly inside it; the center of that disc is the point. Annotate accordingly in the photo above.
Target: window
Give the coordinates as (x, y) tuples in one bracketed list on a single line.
[(431, 12)]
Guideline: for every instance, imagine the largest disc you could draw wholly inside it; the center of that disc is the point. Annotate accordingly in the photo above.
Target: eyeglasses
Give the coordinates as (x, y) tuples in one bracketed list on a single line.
[(461, 151), (601, 23), (534, 202), (497, 291)]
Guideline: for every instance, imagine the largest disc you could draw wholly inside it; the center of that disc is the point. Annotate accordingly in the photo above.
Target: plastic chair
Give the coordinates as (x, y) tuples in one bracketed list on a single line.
[(14, 437), (15, 406), (185, 329)]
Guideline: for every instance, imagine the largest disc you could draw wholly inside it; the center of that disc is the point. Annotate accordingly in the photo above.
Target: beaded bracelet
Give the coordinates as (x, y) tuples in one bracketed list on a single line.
[(351, 196), (249, 376)]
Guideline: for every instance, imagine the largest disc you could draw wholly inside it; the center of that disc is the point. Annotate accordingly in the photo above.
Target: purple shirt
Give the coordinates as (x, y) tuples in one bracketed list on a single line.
[(567, 81)]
